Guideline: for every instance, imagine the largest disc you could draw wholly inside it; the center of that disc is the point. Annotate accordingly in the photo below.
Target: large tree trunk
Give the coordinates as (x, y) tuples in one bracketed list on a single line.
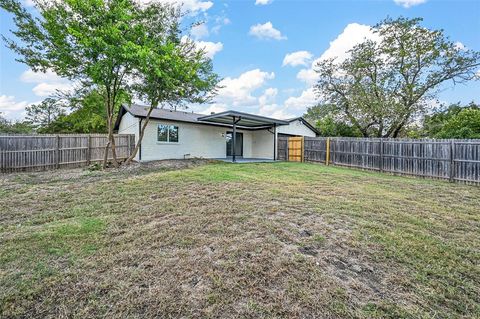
[(105, 155), (111, 138), (140, 136)]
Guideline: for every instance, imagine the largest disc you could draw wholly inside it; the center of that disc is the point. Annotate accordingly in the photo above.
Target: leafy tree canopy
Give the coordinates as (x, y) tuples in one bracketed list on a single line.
[(383, 85), (328, 123), (86, 114), (115, 46), (45, 113), (455, 121), (14, 127)]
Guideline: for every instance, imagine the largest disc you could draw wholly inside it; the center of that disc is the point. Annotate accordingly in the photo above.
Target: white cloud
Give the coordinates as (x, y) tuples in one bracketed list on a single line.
[(306, 99), (239, 91), (275, 111), (268, 96), (459, 45), (262, 2), (49, 89), (268, 107), (409, 3), (297, 58), (266, 31), (211, 48), (215, 108), (48, 83), (192, 6), (220, 22), (309, 76), (352, 35), (30, 76), (12, 109), (199, 31)]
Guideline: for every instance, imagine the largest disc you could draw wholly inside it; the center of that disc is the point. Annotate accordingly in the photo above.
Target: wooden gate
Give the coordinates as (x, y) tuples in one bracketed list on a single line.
[(295, 149)]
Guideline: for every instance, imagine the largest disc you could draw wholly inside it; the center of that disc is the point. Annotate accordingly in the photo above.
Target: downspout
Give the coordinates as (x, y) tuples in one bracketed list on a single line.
[(140, 146)]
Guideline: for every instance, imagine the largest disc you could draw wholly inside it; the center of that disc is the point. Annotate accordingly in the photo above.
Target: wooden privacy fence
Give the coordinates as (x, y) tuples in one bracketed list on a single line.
[(295, 149), (452, 159), (41, 152)]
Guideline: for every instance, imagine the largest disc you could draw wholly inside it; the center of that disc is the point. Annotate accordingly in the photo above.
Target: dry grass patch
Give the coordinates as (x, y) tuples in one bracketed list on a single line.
[(247, 240)]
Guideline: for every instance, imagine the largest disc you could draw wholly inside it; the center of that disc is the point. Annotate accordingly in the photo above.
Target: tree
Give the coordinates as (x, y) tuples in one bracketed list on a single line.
[(43, 114), (173, 71), (87, 113), (456, 121), (17, 127), (330, 123), (89, 41), (466, 124), (383, 85), (100, 43)]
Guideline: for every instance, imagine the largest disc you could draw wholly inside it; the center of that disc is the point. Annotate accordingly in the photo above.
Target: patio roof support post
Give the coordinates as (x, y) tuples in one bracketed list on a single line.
[(274, 141), (234, 138)]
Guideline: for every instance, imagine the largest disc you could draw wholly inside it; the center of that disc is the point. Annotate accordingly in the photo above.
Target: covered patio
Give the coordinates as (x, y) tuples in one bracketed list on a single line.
[(249, 121), (246, 160)]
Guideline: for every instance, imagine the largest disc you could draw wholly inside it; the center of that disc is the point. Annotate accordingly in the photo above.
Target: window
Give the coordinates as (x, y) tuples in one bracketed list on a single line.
[(167, 133)]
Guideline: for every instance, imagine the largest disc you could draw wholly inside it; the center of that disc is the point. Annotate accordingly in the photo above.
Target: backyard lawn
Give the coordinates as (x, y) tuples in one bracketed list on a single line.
[(266, 240)]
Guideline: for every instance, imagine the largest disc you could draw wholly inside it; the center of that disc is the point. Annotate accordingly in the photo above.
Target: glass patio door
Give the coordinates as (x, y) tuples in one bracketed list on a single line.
[(238, 142)]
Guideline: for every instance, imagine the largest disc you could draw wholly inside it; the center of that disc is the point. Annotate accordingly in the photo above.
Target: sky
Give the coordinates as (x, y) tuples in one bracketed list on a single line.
[(264, 50)]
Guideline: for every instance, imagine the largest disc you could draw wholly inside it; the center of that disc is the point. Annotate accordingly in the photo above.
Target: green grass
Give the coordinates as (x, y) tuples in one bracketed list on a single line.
[(238, 240)]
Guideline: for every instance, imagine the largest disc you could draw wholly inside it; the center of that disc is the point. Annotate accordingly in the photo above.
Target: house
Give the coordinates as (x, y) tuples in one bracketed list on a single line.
[(179, 134)]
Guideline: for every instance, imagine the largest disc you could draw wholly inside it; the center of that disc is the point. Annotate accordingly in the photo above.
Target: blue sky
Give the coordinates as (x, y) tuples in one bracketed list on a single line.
[(264, 49)]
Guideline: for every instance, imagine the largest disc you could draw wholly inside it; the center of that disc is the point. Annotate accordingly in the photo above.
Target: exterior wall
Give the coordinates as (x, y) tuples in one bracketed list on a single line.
[(129, 125), (197, 140), (201, 140), (262, 146), (296, 128)]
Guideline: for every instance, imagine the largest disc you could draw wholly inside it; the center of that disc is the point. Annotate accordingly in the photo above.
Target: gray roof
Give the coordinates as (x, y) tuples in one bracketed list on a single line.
[(164, 114), (242, 119), (190, 117), (180, 116)]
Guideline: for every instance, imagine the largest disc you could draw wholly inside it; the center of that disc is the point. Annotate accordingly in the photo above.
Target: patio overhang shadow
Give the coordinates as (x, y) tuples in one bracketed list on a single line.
[(244, 120)]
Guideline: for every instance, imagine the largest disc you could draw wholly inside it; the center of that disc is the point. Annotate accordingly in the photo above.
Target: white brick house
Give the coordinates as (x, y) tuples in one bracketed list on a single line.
[(180, 134)]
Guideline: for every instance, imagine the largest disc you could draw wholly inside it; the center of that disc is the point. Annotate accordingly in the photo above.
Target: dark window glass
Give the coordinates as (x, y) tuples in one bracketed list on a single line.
[(162, 133), (167, 133), (173, 134)]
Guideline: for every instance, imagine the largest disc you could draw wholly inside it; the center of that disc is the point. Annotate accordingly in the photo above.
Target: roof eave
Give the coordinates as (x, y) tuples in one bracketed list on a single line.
[(266, 120)]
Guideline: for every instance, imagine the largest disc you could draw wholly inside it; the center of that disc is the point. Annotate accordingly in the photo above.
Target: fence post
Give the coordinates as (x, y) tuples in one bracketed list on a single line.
[(381, 155), (127, 138), (327, 152), (452, 160), (89, 149), (57, 152), (303, 149), (287, 152), (131, 142), (334, 149)]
